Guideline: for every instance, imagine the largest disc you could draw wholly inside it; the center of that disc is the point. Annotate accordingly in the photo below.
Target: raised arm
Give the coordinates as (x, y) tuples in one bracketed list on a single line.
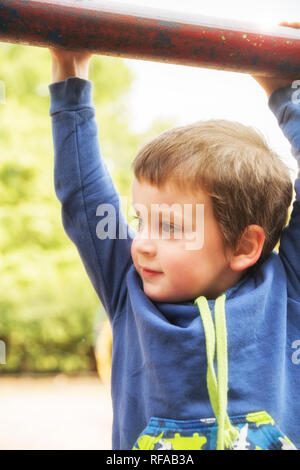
[(90, 203), (284, 101), (287, 110)]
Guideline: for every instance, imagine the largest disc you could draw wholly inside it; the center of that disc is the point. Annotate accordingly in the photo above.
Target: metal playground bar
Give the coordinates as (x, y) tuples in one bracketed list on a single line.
[(130, 31)]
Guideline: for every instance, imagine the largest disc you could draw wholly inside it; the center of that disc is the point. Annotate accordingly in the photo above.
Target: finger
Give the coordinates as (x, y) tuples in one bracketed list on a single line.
[(294, 24)]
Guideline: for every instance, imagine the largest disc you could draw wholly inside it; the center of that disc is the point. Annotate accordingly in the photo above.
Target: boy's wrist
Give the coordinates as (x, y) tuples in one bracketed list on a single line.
[(270, 84), (63, 70)]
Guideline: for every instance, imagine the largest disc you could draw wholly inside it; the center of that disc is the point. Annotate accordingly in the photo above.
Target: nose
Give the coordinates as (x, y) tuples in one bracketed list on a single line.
[(145, 245)]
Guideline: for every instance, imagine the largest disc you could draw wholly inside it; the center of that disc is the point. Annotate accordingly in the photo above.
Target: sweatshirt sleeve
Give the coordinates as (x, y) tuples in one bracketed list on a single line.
[(286, 107), (91, 212)]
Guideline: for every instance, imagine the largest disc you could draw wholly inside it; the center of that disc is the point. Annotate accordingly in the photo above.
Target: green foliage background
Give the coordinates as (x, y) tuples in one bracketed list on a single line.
[(47, 304)]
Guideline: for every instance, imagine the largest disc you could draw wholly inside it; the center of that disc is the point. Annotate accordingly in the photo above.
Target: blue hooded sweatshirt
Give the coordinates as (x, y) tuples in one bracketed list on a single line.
[(166, 392)]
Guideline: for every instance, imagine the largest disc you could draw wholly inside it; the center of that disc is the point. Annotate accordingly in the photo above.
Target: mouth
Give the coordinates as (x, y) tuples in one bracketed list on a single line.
[(149, 273)]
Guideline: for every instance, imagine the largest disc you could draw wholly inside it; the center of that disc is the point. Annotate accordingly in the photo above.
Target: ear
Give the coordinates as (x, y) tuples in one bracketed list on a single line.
[(249, 248)]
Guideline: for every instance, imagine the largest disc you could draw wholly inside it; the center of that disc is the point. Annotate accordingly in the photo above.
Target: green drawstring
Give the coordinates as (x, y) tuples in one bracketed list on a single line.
[(217, 389)]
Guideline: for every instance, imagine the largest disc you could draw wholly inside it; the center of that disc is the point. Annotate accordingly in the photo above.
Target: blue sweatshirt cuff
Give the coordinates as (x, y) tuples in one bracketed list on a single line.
[(279, 99), (70, 95)]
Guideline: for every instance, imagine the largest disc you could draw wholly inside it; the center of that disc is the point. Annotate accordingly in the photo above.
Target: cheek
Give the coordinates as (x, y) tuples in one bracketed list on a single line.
[(213, 241), (181, 265), (184, 281)]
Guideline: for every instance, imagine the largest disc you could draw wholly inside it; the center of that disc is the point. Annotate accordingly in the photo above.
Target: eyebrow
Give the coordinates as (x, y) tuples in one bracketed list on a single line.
[(161, 212), (174, 218)]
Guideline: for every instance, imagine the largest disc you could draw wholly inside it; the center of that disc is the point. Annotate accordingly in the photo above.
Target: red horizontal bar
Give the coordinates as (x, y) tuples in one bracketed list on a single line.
[(148, 34)]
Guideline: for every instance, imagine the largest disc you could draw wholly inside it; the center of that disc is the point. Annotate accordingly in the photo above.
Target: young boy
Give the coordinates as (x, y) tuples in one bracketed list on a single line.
[(166, 292)]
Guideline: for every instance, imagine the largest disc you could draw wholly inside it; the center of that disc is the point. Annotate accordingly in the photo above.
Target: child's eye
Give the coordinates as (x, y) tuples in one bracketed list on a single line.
[(169, 228), (164, 226), (137, 221)]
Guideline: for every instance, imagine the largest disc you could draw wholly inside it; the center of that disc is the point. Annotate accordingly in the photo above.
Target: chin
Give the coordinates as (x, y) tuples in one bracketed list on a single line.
[(167, 298), (156, 297)]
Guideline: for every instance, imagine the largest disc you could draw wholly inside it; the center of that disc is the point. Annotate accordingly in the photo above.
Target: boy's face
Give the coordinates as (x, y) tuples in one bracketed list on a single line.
[(185, 267)]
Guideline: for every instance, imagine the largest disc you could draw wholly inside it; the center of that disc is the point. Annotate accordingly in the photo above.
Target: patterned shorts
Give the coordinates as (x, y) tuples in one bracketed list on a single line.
[(256, 431)]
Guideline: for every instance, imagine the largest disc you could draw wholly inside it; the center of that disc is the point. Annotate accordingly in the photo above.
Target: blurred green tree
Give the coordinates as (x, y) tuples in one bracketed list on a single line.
[(47, 304)]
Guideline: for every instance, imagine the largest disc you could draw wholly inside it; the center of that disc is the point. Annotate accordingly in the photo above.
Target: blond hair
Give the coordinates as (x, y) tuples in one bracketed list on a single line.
[(247, 181)]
